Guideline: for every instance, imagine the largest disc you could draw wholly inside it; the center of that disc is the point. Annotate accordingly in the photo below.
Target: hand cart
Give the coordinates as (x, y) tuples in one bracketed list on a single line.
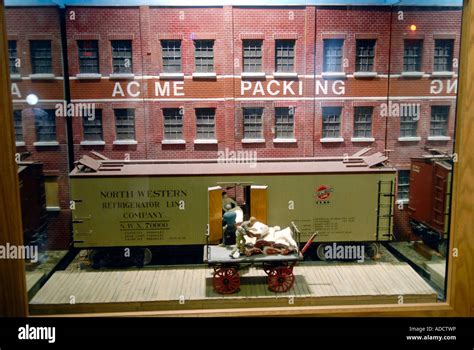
[(278, 267)]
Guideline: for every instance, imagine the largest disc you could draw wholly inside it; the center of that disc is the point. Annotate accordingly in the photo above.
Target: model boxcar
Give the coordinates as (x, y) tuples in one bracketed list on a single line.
[(429, 200), (146, 203), (33, 202)]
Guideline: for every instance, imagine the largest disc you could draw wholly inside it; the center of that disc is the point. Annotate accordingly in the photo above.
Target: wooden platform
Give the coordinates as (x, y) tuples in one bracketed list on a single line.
[(437, 270), (190, 287)]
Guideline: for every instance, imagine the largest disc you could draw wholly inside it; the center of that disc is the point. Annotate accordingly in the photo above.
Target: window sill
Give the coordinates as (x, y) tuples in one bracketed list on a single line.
[(88, 76), (365, 75), (334, 75), (253, 140), (46, 143), (331, 139), (92, 143), (439, 138), (174, 142), (285, 75), (14, 77), (122, 76), (281, 140), (412, 74), (362, 139), (19, 143), (125, 142), (409, 139), (444, 74), (42, 76), (53, 208), (172, 76), (202, 75), (205, 142), (253, 75)]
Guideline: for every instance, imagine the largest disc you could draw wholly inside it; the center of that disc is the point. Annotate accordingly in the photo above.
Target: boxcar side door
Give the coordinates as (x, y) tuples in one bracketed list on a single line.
[(215, 213), (258, 203)]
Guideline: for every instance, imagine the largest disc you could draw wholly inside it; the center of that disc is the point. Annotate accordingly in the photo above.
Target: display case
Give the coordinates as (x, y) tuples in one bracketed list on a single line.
[(235, 157)]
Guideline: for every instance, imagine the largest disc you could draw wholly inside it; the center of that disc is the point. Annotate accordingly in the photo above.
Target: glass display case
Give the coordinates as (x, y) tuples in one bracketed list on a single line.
[(235, 154)]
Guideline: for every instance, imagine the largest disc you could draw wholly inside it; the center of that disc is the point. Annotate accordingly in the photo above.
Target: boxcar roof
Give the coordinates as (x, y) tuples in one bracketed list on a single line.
[(90, 167)]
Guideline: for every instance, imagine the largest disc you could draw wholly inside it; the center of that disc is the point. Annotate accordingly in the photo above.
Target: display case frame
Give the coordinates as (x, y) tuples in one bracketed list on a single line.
[(460, 288)]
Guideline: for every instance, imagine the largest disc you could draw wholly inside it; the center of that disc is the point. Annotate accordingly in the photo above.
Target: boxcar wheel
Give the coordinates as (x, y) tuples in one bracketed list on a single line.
[(147, 256), (373, 250), (320, 252)]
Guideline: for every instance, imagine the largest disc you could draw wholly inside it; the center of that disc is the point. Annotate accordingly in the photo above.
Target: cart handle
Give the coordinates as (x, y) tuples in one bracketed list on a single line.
[(296, 232), (310, 240)]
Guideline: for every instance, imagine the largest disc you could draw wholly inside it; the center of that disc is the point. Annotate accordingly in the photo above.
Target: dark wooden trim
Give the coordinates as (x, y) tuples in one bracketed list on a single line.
[(13, 298)]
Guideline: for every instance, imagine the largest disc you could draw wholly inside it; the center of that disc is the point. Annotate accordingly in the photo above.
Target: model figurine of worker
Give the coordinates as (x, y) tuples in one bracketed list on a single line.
[(230, 227), (227, 202)]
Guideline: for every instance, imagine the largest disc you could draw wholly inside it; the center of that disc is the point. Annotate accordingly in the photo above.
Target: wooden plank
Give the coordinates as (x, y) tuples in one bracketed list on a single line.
[(425, 251), (149, 277), (91, 281), (114, 286), (463, 179), (152, 292), (341, 283), (162, 290), (98, 296), (123, 288), (55, 290)]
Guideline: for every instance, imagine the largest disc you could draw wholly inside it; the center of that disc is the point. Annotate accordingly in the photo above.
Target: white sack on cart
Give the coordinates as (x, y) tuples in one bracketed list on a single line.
[(284, 236), (272, 234)]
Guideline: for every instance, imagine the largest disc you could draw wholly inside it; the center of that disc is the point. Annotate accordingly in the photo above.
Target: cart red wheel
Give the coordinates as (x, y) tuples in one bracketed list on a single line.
[(226, 280), (281, 279)]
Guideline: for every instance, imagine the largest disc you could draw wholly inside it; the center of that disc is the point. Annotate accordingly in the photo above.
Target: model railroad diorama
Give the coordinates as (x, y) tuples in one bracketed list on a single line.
[(139, 205)]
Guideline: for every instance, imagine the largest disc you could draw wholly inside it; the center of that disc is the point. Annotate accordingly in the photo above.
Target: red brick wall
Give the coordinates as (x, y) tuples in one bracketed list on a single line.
[(23, 25), (227, 25)]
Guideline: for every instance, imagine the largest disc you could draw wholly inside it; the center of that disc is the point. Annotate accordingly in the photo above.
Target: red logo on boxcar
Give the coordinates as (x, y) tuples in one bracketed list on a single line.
[(323, 192)]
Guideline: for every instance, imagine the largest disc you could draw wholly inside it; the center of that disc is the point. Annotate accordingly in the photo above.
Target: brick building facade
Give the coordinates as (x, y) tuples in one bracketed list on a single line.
[(284, 81)]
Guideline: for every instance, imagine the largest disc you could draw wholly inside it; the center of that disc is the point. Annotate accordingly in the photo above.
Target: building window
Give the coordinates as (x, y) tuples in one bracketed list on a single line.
[(41, 59), (125, 123), (18, 125), (173, 123), (403, 184), (122, 56), (253, 55), (284, 122), (443, 55), (253, 123), (171, 55), (333, 55), (408, 125), (363, 121), (93, 127), (439, 120), (412, 55), (45, 122), (204, 56), (51, 189), (13, 56), (365, 54), (88, 56), (205, 123), (285, 55), (331, 122)]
